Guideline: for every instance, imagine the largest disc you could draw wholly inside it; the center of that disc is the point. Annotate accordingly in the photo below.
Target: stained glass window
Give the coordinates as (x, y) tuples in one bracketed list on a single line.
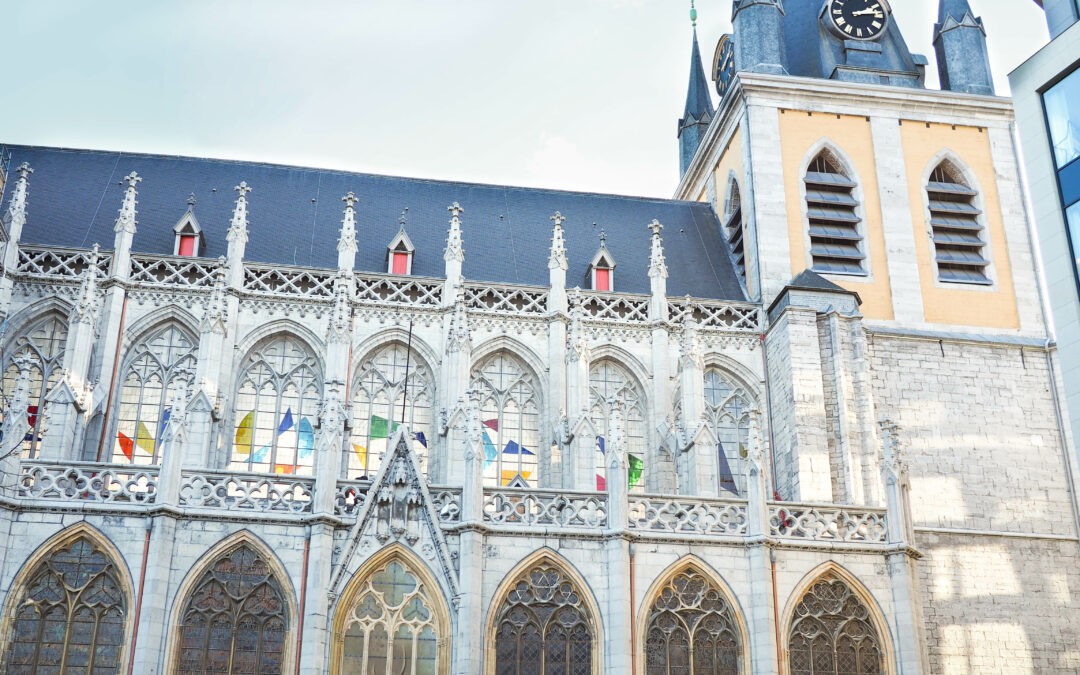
[(379, 394), (392, 628), (510, 412), (607, 378), (44, 342), (691, 630), (235, 619), (276, 409), (543, 628), (71, 617), (728, 406), (147, 391), (831, 633)]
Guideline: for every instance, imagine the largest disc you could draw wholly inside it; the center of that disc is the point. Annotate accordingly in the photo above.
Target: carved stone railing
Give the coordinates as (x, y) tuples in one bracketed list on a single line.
[(270, 493), (398, 290), (526, 507), (276, 280), (55, 262), (712, 315), (512, 300), (349, 496), (828, 522), (447, 502), (88, 481), (173, 271), (687, 515), (615, 308)]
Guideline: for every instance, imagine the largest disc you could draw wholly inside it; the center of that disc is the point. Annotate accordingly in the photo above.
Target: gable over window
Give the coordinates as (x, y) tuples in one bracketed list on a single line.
[(601, 273), (836, 244), (955, 227), (188, 234)]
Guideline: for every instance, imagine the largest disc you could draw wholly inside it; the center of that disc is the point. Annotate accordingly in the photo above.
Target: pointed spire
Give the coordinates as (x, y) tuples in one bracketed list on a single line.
[(17, 207), (459, 339), (215, 318), (689, 349), (125, 222), (454, 249), (657, 265), (86, 308), (238, 227), (960, 45), (698, 111), (557, 258), (346, 246)]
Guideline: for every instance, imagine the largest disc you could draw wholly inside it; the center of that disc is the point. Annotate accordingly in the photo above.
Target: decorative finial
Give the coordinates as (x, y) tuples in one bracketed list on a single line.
[(693, 14), (191, 201), (349, 199), (243, 189), (657, 266), (126, 221), (603, 237), (557, 259), (454, 248), (455, 209), (24, 170), (404, 217), (132, 179), (656, 227)]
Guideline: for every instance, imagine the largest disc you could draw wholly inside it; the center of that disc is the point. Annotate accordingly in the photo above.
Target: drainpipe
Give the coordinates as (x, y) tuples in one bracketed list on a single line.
[(142, 582), (303, 596)]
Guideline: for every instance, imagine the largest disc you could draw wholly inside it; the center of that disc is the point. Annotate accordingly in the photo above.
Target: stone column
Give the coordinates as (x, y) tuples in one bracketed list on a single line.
[(616, 548), (700, 459), (557, 309), (760, 554), (470, 638), (578, 461), (16, 221), (658, 468), (174, 440), (214, 347), (332, 435), (455, 383)]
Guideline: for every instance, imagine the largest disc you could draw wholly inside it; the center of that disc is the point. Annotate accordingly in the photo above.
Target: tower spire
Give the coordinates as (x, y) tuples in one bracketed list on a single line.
[(699, 110), (960, 45)]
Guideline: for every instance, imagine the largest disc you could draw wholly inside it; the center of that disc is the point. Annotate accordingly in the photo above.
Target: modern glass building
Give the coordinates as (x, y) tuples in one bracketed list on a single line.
[(1046, 89)]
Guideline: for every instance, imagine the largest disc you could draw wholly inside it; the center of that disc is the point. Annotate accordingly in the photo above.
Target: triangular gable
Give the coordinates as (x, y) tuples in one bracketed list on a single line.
[(401, 243), (398, 508)]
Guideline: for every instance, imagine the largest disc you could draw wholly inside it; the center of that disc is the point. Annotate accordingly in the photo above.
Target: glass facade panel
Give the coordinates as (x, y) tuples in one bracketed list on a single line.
[(1063, 114), (1072, 216)]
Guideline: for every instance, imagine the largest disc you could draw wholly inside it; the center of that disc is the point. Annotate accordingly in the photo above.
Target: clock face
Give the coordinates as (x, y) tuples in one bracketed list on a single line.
[(724, 64), (859, 19)]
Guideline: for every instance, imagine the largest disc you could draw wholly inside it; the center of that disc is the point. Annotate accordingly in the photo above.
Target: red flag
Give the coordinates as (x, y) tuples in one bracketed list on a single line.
[(492, 424), (126, 444)]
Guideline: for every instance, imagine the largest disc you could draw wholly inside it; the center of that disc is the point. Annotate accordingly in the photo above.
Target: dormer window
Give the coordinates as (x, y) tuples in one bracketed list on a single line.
[(399, 254), (601, 274), (188, 240)]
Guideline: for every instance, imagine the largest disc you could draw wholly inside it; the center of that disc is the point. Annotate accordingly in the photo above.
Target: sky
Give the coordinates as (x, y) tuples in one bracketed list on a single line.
[(569, 94)]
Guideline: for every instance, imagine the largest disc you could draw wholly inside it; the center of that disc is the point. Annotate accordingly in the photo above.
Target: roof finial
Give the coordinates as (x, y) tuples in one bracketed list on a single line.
[(693, 14), (603, 238), (557, 258), (404, 217), (191, 202)]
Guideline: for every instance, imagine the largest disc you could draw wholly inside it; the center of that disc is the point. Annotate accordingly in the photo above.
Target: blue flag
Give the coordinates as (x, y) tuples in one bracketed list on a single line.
[(306, 438), (727, 479), (490, 453), (512, 448), (419, 435), (286, 422), (600, 442)]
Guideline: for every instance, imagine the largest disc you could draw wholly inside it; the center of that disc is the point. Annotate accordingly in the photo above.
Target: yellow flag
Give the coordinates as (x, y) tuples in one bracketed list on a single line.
[(144, 440), (361, 453), (243, 434), (508, 476)]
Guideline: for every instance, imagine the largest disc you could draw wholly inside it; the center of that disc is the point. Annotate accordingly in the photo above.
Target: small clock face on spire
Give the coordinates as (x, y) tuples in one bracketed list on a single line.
[(858, 19)]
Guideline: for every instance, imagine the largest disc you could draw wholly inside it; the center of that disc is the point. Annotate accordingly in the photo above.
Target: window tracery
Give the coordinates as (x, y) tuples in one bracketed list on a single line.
[(543, 627), (379, 393), (510, 412), (691, 630), (606, 379), (392, 627), (71, 618), (727, 407), (831, 633), (235, 618), (147, 391), (276, 409), (45, 342)]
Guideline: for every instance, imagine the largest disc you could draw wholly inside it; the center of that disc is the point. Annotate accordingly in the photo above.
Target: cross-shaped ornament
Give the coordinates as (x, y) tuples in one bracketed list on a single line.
[(243, 189), (24, 170), (132, 178), (455, 209), (349, 200), (558, 219), (656, 227)]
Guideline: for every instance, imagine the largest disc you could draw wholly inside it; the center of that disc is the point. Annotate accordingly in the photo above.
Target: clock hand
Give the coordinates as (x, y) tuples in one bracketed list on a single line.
[(869, 10)]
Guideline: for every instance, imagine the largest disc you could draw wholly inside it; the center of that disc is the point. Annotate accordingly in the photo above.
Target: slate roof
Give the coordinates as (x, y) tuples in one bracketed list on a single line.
[(295, 214)]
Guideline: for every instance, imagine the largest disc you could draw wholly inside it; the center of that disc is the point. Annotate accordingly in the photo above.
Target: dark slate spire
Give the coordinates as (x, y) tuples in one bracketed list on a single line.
[(699, 110), (960, 45)]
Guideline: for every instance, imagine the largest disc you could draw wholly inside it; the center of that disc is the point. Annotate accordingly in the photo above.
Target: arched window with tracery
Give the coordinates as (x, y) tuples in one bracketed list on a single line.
[(71, 617), (510, 412), (692, 629), (832, 209), (146, 394), (543, 626), (276, 409), (379, 396), (607, 379), (392, 626), (235, 619), (956, 230), (44, 342), (728, 407), (831, 633)]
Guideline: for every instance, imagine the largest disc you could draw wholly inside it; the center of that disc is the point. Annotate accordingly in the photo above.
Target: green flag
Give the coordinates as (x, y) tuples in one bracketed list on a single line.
[(636, 468), (380, 427)]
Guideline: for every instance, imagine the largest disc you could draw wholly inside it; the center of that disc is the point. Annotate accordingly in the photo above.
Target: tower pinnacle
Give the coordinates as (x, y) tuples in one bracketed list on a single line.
[(699, 110)]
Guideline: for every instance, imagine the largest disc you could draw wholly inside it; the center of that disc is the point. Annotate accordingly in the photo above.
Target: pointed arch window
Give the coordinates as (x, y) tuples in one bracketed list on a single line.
[(276, 408), (147, 392), (691, 629), (393, 626), (728, 406), (956, 231), (543, 627), (607, 378), (510, 412), (45, 342), (836, 240), (235, 619), (379, 395), (71, 617), (733, 228), (831, 633)]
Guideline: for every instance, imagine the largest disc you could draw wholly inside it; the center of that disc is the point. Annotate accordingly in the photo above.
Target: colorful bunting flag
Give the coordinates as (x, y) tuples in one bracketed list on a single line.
[(636, 467), (600, 442), (512, 448), (508, 476), (143, 439), (243, 434), (492, 424), (727, 479), (283, 468), (306, 440), (259, 455), (490, 453), (601, 483), (126, 445), (361, 454), (381, 427), (286, 422), (420, 437), (165, 416)]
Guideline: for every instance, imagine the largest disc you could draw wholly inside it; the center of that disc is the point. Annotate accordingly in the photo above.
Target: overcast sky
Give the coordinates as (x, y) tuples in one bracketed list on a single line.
[(571, 94)]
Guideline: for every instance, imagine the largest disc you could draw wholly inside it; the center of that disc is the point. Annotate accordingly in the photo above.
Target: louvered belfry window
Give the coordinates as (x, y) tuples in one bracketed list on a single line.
[(831, 207), (959, 248), (733, 229)]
